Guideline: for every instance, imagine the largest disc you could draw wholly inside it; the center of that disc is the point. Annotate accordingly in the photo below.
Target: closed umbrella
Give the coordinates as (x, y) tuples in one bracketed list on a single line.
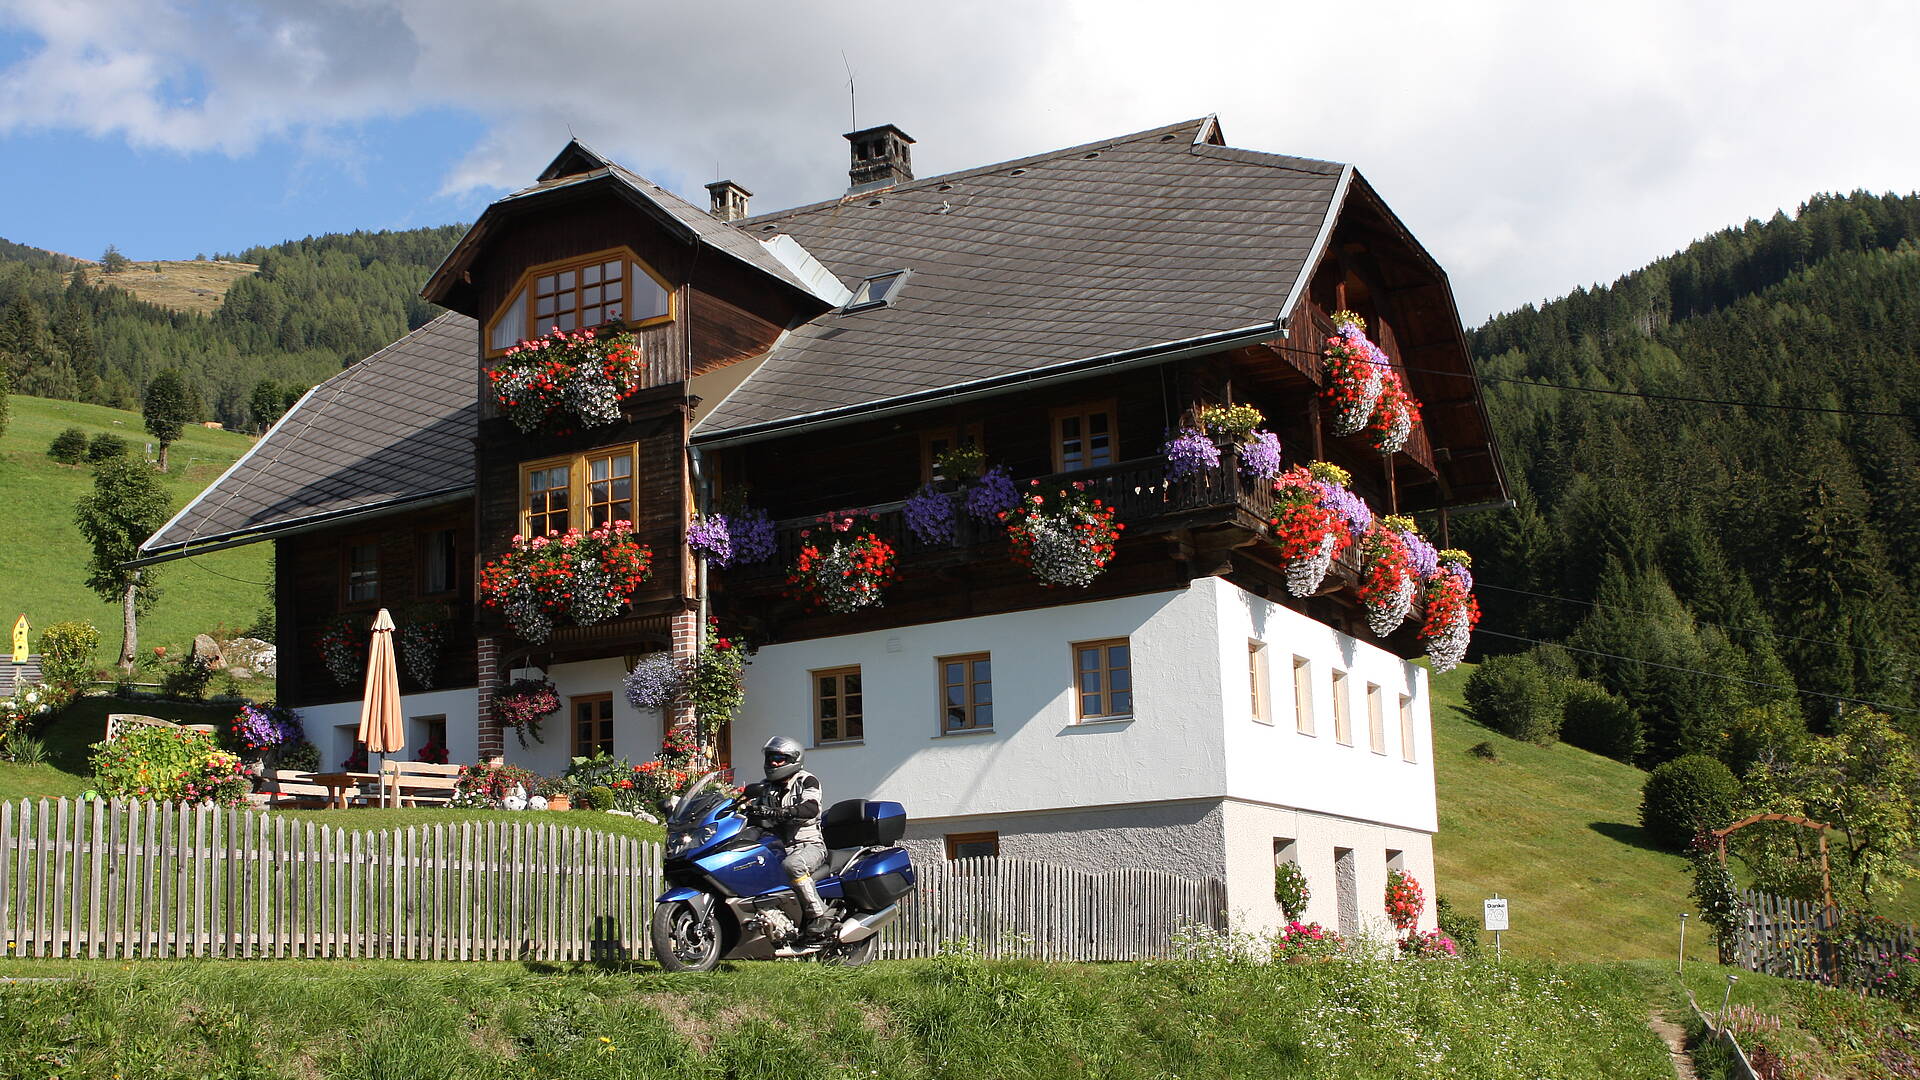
[(380, 726)]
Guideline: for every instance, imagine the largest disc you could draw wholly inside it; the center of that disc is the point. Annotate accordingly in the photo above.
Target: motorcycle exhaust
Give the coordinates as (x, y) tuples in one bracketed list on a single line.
[(867, 925)]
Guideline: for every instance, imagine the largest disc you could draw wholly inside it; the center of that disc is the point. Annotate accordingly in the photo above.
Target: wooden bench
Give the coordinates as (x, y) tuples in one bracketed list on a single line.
[(417, 783), (119, 724), (295, 788)]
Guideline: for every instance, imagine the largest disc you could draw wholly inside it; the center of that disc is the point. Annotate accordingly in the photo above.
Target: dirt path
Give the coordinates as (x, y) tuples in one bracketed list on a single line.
[(1676, 1039)]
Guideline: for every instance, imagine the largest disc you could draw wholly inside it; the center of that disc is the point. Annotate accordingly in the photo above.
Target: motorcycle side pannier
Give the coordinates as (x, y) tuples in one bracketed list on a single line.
[(878, 879), (859, 823)]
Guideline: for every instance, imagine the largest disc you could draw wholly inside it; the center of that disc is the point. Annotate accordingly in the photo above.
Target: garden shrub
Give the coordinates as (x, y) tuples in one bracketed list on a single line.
[(1685, 797), (483, 786), (67, 654), (604, 770), (188, 678), (1594, 720), (171, 764), (105, 445), (600, 797), (1513, 695), (1290, 889), (303, 756), (1459, 925), (69, 447)]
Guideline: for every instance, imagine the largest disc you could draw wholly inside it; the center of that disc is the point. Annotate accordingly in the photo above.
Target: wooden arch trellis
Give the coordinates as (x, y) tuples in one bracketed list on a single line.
[(1826, 876)]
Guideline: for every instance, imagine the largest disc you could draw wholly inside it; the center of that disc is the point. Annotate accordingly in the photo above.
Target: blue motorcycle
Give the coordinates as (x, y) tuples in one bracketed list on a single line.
[(729, 898)]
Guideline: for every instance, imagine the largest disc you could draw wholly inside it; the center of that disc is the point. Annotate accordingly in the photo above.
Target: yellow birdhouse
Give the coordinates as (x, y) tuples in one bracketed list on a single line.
[(20, 639)]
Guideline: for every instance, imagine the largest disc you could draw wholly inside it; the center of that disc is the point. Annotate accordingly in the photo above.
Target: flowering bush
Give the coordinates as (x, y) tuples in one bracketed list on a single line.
[(677, 765), (607, 771), (265, 727), (1231, 422), (1394, 415), (657, 681), (1260, 456), (1066, 539), (751, 532), (583, 576), (929, 513), (1307, 533), (709, 537), (342, 642), (994, 495), (168, 764), (522, 705), (482, 786), (582, 373), (1190, 453), (16, 712), (849, 574), (1387, 584), (1355, 367), (1298, 942), (1405, 900), (716, 686), (1452, 612), (1432, 945), (1290, 889)]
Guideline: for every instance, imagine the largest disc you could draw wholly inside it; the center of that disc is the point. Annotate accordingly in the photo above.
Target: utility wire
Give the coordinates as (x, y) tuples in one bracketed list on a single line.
[(1697, 671), (210, 570), (1479, 584)]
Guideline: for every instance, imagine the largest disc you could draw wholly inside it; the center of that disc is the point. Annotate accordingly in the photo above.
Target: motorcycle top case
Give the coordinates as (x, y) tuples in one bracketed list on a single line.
[(860, 823), (878, 879)]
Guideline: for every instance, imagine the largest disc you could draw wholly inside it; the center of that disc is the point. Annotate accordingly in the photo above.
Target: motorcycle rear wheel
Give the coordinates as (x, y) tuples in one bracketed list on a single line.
[(682, 940), (858, 954)]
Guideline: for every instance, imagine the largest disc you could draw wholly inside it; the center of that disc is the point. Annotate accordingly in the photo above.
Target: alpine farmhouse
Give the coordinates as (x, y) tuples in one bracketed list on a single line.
[(1065, 314)]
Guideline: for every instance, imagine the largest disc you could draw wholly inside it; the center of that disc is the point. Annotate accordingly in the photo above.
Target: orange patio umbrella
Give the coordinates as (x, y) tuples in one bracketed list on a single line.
[(380, 726)]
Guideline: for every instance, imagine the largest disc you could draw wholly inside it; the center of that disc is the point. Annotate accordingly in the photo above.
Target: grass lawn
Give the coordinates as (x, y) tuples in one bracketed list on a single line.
[(1816, 1031), (948, 1017), (43, 565)]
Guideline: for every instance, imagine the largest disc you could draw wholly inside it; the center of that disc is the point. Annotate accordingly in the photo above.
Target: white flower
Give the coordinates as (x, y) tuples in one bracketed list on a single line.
[(33, 697)]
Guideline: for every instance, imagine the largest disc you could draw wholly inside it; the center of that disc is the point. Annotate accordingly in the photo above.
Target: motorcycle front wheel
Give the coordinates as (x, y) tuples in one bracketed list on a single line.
[(683, 940)]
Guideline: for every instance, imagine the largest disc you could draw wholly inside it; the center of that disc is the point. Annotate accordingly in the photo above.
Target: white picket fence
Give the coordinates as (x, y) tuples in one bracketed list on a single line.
[(123, 880)]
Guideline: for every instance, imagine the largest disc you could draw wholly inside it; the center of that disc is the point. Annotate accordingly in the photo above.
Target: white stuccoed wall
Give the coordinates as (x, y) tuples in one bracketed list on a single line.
[(636, 732), (331, 728)]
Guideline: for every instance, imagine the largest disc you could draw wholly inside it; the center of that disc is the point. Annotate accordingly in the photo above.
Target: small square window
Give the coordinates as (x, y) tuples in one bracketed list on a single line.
[(973, 845), (876, 290), (363, 572)]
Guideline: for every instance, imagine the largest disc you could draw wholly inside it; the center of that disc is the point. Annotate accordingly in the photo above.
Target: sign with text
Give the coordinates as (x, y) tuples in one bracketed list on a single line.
[(1495, 914)]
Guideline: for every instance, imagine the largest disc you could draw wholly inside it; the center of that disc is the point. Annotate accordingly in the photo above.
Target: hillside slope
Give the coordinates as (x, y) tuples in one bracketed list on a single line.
[(43, 563), (194, 286)]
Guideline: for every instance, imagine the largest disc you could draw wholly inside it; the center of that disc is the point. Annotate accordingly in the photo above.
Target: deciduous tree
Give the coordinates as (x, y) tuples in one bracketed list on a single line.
[(167, 410), (125, 507)]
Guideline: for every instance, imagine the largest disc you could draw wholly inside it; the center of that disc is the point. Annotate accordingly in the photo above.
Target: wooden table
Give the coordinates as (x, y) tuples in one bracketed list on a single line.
[(338, 783)]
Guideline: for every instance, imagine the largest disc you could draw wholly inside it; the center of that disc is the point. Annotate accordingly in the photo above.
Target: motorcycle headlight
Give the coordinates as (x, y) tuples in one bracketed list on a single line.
[(688, 839)]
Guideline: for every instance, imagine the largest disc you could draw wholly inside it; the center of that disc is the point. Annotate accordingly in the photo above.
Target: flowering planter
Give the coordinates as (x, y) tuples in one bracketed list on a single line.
[(559, 802), (1387, 582), (1066, 539), (566, 380), (1311, 524), (585, 577), (842, 573), (1452, 612), (1355, 367)]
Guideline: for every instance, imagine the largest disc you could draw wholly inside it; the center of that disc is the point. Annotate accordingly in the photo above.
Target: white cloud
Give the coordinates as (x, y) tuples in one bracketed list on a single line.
[(1532, 149)]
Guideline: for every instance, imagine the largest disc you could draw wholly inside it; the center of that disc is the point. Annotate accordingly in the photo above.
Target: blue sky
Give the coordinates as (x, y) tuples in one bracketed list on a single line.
[(1531, 147)]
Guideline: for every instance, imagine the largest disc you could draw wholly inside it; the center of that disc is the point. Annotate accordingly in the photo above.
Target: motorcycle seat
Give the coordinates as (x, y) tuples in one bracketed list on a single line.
[(838, 858)]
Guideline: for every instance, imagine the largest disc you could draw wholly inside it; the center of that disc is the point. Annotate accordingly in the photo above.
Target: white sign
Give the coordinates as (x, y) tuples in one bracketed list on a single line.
[(1495, 914)]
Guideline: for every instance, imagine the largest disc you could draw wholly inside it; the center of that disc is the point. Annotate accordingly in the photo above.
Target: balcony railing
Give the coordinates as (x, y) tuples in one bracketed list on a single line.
[(1138, 491)]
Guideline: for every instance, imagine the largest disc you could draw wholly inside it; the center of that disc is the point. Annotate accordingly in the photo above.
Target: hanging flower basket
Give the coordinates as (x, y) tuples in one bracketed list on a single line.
[(1065, 538), (1387, 583), (1422, 559), (1190, 453), (585, 577), (342, 643), (267, 727), (1452, 612), (992, 496), (1260, 456), (710, 537), (1394, 415), (1307, 533), (1355, 370), (582, 375), (657, 681), (420, 635), (523, 704), (1331, 482), (843, 570), (1230, 423), (929, 513), (750, 531)]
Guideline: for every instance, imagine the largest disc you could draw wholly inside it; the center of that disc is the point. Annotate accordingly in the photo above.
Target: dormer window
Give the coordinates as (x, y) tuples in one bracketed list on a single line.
[(593, 290), (876, 290)]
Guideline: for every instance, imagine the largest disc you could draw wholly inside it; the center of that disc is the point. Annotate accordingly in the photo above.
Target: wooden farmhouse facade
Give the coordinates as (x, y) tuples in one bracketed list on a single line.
[(1064, 313)]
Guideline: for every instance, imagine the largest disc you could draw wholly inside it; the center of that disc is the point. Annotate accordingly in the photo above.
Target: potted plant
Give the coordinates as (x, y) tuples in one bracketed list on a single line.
[(709, 537), (1307, 532), (342, 643), (929, 513), (848, 573), (1064, 537), (1387, 583), (523, 704), (419, 635), (583, 374), (1239, 426), (1394, 415), (586, 577), (557, 790), (960, 465), (1452, 612), (1190, 452), (1354, 367)]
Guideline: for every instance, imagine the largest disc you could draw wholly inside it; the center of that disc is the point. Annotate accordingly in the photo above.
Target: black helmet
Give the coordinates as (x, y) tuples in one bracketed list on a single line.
[(782, 757)]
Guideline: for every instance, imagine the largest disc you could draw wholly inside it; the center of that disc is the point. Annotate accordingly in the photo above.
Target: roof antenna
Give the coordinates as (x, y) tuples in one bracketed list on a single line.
[(853, 104)]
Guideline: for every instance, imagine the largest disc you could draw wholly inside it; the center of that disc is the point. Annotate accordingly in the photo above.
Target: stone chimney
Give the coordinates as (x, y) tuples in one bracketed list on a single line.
[(729, 200), (880, 157)]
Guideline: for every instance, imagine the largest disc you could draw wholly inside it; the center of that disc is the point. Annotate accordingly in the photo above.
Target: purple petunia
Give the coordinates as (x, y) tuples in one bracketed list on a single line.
[(929, 514), (1190, 453), (1422, 558), (710, 538), (751, 533), (262, 726), (1260, 456), (1352, 508), (992, 495)]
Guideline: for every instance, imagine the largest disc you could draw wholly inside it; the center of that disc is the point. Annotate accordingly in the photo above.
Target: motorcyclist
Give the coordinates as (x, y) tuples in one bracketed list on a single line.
[(787, 804)]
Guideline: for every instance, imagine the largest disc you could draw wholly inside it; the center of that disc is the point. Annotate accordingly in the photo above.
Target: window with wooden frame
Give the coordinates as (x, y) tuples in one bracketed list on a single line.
[(592, 724), (839, 708), (599, 483), (1085, 437), (939, 441), (1376, 719), (1342, 721), (1257, 682), (1103, 680), (362, 571), (611, 286), (1302, 695), (439, 562), (972, 845), (966, 693), (1406, 728)]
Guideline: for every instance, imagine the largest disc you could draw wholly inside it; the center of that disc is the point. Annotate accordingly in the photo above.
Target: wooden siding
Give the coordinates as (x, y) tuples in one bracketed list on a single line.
[(310, 591)]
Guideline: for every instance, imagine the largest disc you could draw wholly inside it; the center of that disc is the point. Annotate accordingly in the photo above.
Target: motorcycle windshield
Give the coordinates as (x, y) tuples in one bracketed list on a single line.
[(698, 803)]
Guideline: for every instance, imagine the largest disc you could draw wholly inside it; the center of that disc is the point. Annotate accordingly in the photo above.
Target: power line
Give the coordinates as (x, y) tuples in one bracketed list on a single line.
[(210, 570), (1745, 629), (1697, 671)]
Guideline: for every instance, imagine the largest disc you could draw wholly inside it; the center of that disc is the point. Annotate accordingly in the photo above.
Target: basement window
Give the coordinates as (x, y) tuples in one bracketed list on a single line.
[(876, 290)]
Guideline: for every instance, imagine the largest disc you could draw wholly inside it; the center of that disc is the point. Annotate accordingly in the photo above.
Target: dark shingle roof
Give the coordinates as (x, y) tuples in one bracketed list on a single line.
[(1142, 240), (395, 427)]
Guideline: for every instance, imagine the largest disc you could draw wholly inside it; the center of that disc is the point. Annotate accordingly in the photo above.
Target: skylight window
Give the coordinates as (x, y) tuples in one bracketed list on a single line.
[(876, 290)]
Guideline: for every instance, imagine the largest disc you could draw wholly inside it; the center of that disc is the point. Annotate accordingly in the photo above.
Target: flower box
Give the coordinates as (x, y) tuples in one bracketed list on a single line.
[(566, 380), (586, 577)]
